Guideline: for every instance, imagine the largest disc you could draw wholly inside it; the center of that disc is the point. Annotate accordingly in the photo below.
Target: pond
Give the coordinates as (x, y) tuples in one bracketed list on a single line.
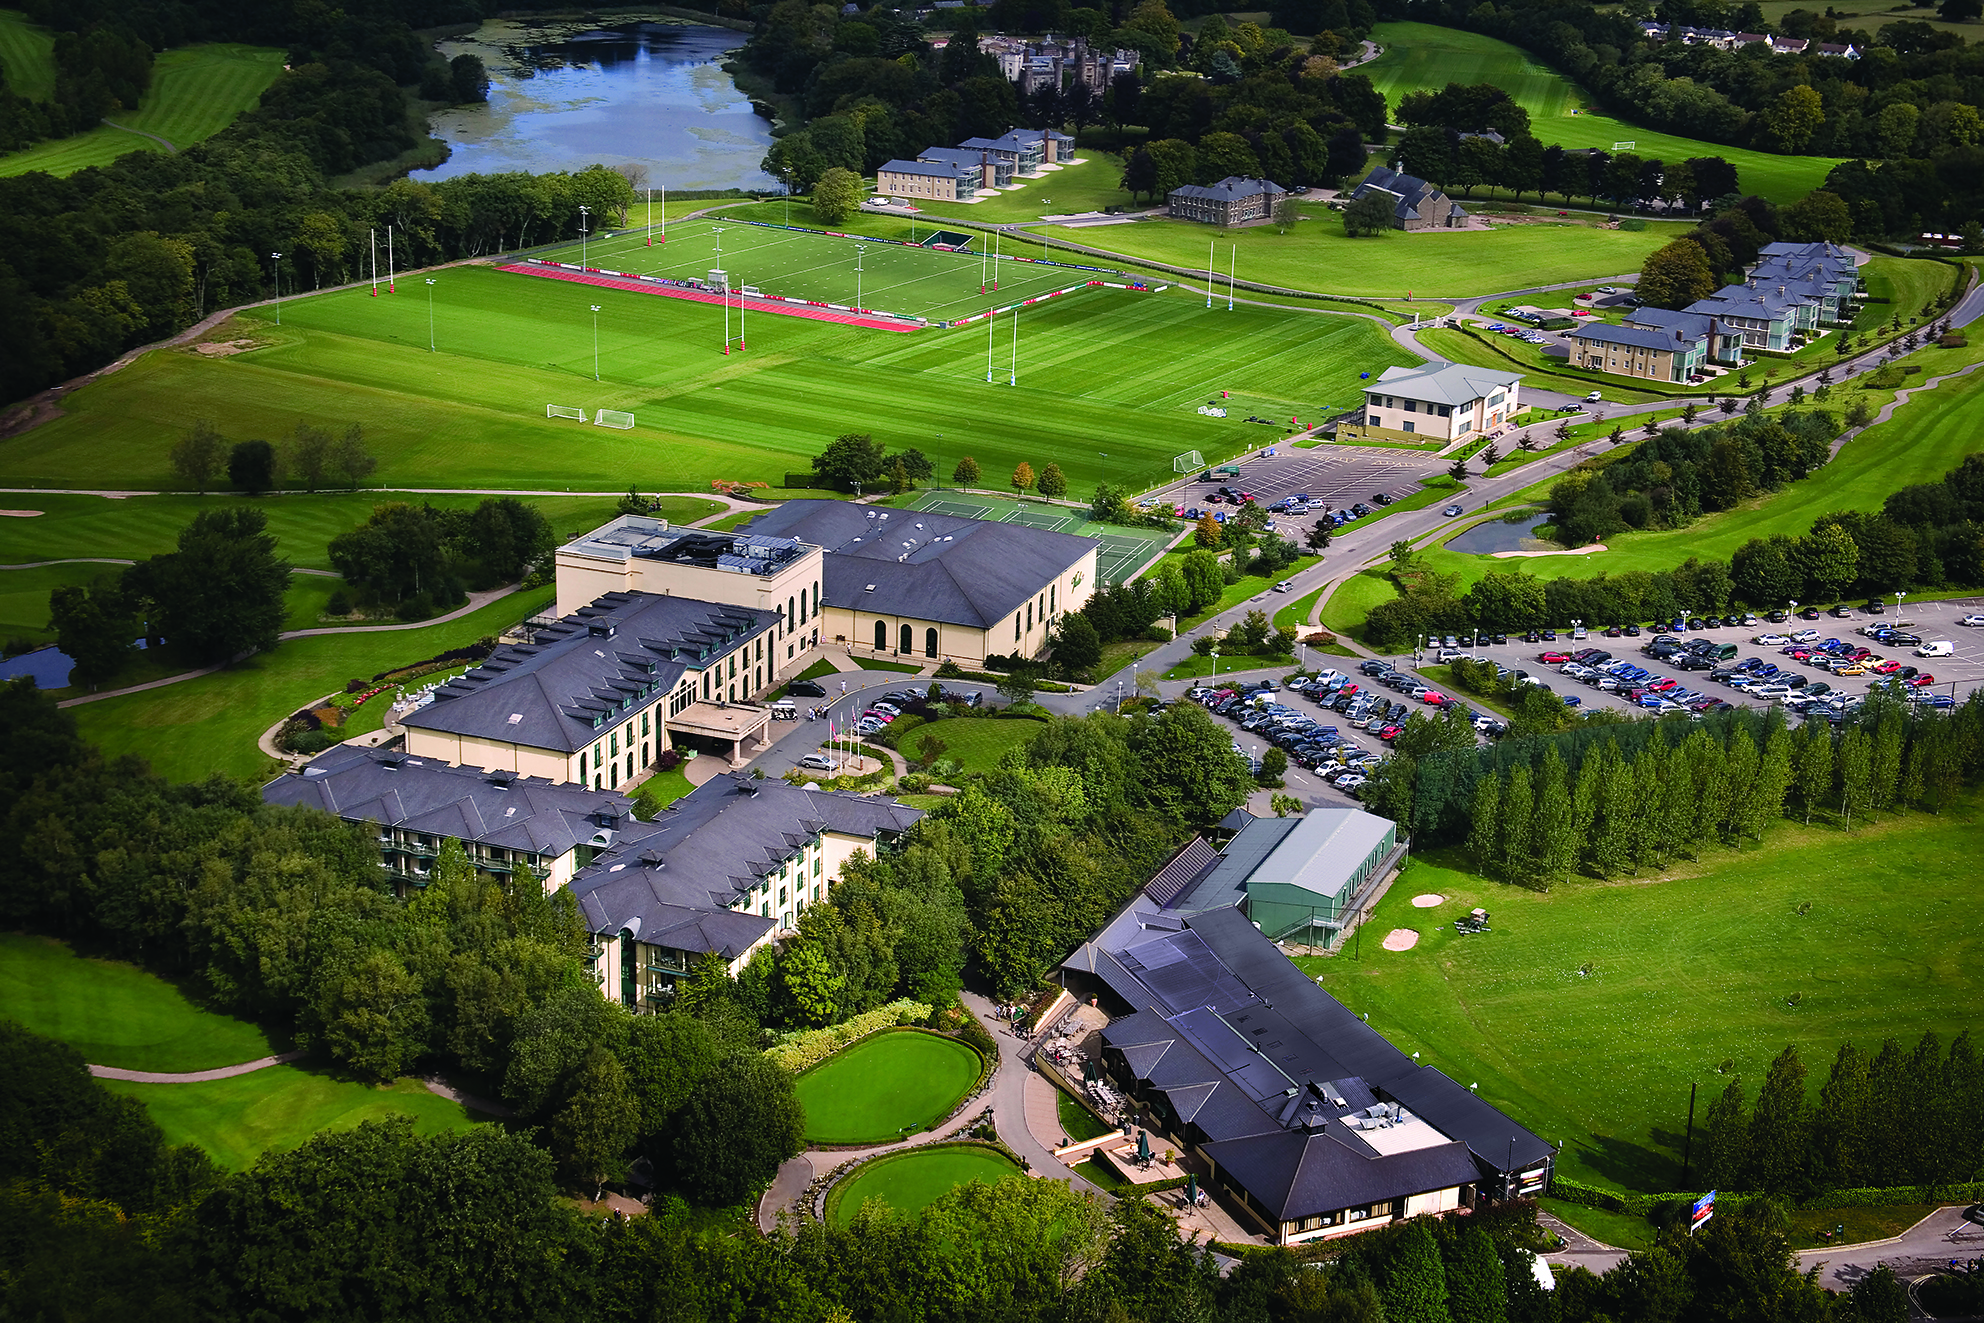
[(1487, 538), (564, 94)]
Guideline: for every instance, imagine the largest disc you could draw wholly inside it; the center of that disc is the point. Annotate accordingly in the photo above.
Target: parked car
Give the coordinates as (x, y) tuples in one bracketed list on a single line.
[(818, 762), (1770, 640), (806, 688)]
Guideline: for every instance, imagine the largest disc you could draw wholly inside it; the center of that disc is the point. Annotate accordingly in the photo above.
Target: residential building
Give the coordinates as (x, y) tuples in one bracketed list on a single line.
[(723, 870), (1823, 274), (508, 824), (913, 583), (1721, 345), (1024, 154), (595, 696), (929, 181), (1442, 401), (1417, 205), (1295, 878), (1637, 351), (1311, 1123), (986, 169), (1765, 318), (1232, 201), (637, 554)]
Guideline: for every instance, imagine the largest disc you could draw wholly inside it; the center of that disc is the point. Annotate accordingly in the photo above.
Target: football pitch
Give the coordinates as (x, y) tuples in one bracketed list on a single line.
[(1123, 552), (899, 278)]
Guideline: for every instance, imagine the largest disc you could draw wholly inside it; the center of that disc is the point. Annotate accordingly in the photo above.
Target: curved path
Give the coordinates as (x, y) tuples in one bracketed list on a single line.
[(169, 148), (193, 1076)]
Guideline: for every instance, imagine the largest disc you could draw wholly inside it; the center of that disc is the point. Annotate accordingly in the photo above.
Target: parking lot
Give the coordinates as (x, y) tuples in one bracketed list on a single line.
[(1338, 475)]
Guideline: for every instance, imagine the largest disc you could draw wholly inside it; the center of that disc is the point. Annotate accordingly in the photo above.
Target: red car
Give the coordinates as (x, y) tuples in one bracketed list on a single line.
[(1554, 658), (1920, 681), (1887, 668), (1663, 684), (1388, 734), (1346, 691), (1433, 698)]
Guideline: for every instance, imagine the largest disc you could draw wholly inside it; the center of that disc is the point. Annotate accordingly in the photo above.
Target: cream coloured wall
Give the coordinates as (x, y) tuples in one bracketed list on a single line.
[(1023, 632)]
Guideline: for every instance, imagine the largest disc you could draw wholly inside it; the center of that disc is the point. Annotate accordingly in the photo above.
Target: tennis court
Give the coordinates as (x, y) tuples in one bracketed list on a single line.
[(1123, 552), (897, 278)]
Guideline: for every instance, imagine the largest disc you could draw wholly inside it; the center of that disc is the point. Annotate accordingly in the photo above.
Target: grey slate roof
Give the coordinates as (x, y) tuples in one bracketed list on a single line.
[(423, 795), (673, 883), (935, 169), (1693, 325), (1633, 337), (1296, 1174), (1410, 190), (973, 572), (558, 691), (1230, 189), (1445, 383)]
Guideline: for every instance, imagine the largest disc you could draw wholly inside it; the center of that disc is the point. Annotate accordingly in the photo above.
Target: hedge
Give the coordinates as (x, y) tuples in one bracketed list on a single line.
[(802, 1049), (1642, 1205)]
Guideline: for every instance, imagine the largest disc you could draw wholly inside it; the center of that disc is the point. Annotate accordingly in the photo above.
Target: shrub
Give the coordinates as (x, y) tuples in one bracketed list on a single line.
[(806, 1048), (339, 605), (950, 670)]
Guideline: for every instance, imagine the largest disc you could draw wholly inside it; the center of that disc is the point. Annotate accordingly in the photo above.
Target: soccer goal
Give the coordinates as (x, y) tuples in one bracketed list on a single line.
[(613, 418), (1188, 462), (564, 411)]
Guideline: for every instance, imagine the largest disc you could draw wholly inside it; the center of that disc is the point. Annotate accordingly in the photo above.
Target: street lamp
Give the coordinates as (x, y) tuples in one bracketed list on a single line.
[(583, 212), (1899, 598), (1215, 663), (278, 262), (430, 315), (595, 342)]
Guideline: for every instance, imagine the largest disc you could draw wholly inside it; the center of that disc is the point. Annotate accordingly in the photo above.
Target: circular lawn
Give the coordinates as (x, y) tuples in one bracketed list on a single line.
[(885, 1086), (911, 1181)]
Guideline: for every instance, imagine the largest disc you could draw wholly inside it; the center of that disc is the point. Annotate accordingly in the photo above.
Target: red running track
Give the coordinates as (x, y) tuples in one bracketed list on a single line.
[(776, 308)]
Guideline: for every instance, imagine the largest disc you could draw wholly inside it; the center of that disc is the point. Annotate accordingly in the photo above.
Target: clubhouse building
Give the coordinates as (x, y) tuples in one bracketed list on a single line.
[(1437, 401), (1311, 1124)]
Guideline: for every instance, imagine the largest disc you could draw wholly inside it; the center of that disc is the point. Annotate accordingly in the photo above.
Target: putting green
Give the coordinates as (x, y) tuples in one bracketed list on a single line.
[(885, 1086), (910, 1182)]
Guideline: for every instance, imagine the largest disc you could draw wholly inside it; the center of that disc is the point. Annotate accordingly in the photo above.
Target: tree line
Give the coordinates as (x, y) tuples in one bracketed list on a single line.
[(1852, 1137), (417, 559)]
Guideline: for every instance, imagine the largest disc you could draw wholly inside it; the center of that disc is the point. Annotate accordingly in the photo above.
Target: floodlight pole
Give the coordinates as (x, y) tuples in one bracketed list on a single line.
[(278, 261), (430, 316), (583, 211), (595, 340)]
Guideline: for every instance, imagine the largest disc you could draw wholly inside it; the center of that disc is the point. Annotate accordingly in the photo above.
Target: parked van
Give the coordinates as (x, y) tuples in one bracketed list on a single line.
[(1938, 648)]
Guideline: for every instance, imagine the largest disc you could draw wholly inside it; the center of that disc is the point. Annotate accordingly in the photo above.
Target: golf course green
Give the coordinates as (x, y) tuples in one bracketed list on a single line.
[(885, 1087), (910, 1182)]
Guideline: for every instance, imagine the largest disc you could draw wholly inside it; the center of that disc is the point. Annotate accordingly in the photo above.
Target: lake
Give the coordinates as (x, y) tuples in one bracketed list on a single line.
[(564, 94)]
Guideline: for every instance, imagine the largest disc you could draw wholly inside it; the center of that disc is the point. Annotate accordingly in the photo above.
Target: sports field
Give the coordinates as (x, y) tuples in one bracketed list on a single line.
[(1108, 385), (1685, 971), (893, 277), (885, 1086), (910, 1182), (27, 52), (1423, 56), (1123, 552), (116, 1014), (196, 92)]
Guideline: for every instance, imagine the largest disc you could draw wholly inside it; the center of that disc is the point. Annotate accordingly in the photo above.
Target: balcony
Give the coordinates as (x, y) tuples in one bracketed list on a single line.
[(680, 965)]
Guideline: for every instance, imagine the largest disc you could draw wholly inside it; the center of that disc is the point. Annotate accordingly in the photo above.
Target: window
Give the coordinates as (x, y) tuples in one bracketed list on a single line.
[(1408, 425), (613, 744), (816, 865), (881, 636), (1029, 615), (644, 725), (790, 619), (929, 642), (1412, 406), (1016, 626), (908, 641)]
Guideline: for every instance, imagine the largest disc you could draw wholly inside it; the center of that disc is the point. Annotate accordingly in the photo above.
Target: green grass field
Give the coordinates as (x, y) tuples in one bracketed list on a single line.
[(976, 742), (24, 597), (910, 1182), (27, 53), (116, 1014), (1111, 381), (1421, 55), (237, 1120), (196, 92), (1123, 553), (885, 1086), (210, 724), (1686, 970)]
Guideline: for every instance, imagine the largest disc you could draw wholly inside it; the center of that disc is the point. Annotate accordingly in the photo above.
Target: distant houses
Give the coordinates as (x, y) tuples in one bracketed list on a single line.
[(1417, 205), (974, 166), (1232, 201)]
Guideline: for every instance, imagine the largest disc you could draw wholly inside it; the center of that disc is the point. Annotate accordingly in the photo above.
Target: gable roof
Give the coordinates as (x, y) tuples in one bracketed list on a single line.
[(1411, 191), (1230, 189), (1447, 383), (973, 572), (1632, 337), (577, 676), (932, 169)]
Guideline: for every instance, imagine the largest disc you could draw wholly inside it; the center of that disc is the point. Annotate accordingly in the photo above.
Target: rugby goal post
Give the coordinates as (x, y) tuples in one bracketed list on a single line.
[(564, 411), (613, 418), (1188, 462)]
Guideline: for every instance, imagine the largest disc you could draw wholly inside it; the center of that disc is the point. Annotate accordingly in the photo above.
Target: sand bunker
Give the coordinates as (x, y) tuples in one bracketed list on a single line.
[(1427, 901), (1401, 939), (18, 514), (222, 348), (1570, 551)]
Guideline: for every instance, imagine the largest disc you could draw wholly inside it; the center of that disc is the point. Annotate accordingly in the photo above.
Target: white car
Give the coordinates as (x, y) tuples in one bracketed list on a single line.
[(1596, 397), (1771, 692), (1970, 620), (818, 762), (1770, 640), (1805, 636), (1285, 586)]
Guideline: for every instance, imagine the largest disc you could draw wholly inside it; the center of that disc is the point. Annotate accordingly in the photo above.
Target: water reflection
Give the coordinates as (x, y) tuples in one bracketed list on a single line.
[(563, 95)]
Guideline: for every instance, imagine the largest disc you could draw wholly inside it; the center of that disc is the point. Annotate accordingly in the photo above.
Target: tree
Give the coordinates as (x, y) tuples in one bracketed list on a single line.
[(1676, 275), (1830, 561), (852, 460), (1190, 771), (1274, 766), (1369, 215), (1203, 580), (1286, 212), (1413, 1283), (509, 538), (1855, 761), (1051, 483), (1022, 480), (899, 477), (736, 1128), (251, 467), (95, 628), (469, 80), (197, 456), (1016, 686), (1484, 827), (1318, 538), (1776, 1147), (222, 592), (1207, 533), (836, 196), (1818, 215), (1283, 805), (1077, 646), (1794, 117), (1458, 470), (916, 464), (1553, 834), (966, 473), (349, 458), (1725, 1149), (599, 1122), (1476, 1290), (1815, 766)]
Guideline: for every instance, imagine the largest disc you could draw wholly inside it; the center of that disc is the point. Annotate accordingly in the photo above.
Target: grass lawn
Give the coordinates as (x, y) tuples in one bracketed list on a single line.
[(1316, 255), (885, 1086), (1196, 667), (1090, 184), (1077, 1121), (976, 742), (1113, 381), (1101, 1175), (1122, 653), (24, 597), (1353, 599), (877, 664), (28, 54), (237, 1120), (1484, 349), (196, 92), (1624, 1230), (1420, 55), (1249, 585), (910, 1182), (210, 724), (1686, 970), (814, 672), (135, 527), (1809, 1226), (116, 1014), (659, 791)]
